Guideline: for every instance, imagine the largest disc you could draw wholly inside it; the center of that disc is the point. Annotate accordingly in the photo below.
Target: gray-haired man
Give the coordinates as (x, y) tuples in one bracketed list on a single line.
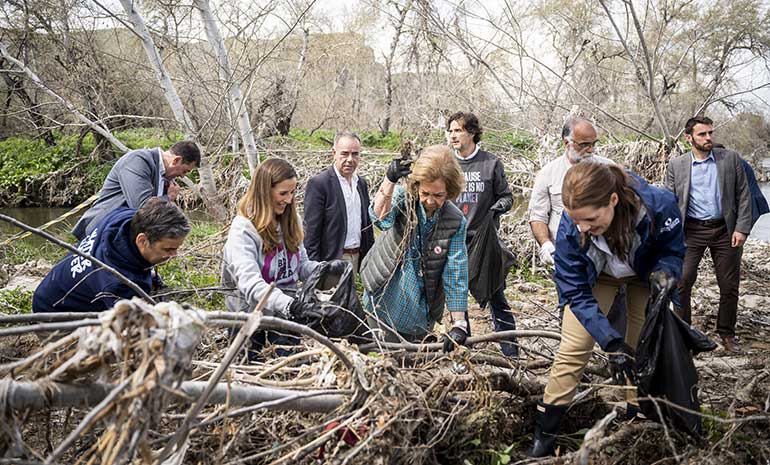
[(336, 217), (579, 137)]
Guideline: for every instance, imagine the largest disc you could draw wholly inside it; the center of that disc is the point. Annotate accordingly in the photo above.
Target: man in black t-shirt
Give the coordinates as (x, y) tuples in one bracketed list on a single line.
[(486, 190)]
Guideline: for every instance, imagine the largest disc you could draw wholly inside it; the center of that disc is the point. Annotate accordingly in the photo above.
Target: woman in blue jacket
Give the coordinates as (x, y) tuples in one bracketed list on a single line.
[(615, 229)]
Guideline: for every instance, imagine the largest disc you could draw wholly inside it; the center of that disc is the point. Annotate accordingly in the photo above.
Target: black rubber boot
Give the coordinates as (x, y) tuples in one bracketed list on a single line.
[(546, 429)]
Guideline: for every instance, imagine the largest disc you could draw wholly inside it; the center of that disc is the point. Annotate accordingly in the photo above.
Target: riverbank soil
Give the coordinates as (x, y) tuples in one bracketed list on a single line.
[(472, 406)]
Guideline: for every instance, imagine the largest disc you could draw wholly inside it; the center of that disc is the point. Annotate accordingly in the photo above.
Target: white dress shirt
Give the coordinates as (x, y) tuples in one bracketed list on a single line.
[(545, 204), (353, 204)]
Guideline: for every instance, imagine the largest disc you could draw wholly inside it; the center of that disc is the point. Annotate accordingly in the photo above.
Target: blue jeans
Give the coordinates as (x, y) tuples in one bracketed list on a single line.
[(503, 320)]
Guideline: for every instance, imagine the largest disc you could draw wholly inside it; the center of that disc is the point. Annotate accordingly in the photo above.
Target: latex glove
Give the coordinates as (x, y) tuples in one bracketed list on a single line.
[(397, 169), (456, 336), (621, 358), (661, 282), (546, 252)]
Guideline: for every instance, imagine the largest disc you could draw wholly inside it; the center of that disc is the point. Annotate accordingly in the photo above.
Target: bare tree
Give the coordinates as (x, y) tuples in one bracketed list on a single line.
[(35, 79), (208, 183), (237, 103), (398, 25)]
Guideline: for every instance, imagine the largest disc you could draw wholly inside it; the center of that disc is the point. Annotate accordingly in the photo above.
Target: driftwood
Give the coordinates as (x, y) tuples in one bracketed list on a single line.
[(23, 395)]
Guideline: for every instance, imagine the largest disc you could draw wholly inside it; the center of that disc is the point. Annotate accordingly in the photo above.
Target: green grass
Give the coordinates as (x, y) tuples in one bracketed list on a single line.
[(15, 301), (22, 160), (23, 251), (318, 140)]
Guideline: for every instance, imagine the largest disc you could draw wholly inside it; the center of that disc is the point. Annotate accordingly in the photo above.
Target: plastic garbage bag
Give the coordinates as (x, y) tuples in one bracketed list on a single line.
[(339, 312), (488, 262), (665, 369)]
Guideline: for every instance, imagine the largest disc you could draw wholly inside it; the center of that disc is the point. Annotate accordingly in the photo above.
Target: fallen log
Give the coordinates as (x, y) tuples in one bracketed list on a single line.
[(22, 395)]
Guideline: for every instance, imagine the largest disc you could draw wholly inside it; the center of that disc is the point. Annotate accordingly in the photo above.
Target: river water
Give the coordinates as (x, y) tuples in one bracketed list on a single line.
[(38, 216)]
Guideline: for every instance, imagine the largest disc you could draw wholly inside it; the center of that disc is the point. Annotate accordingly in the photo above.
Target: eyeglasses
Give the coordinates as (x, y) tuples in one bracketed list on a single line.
[(585, 145)]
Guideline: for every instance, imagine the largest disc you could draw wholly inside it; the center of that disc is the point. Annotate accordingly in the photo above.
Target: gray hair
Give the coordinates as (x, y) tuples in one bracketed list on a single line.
[(571, 122), (345, 135), (158, 219)]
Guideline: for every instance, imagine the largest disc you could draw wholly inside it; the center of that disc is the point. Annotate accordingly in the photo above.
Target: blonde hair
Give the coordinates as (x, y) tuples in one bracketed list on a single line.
[(256, 205), (434, 163)]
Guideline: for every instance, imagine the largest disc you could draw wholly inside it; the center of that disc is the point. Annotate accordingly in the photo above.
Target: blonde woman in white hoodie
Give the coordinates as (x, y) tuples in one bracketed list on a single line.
[(264, 246)]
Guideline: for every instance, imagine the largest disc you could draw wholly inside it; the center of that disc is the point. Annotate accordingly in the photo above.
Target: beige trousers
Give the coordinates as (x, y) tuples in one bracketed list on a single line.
[(576, 344), (353, 259)]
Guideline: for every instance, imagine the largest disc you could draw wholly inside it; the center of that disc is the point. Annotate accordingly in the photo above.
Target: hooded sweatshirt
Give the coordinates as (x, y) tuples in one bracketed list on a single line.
[(76, 284)]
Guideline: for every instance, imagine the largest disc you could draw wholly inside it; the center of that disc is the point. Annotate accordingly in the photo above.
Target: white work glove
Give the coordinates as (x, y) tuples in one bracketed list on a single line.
[(546, 253)]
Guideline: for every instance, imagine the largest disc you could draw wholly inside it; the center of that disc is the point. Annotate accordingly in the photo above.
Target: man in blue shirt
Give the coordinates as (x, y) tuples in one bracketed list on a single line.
[(131, 241), (713, 196)]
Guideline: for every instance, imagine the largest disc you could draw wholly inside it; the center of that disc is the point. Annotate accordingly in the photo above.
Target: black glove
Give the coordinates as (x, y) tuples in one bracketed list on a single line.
[(661, 282), (304, 311), (455, 336), (621, 358), (397, 169), (338, 267), (500, 207)]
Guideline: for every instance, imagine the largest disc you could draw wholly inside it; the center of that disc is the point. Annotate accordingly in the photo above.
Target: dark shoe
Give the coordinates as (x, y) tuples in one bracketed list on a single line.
[(730, 343), (634, 413), (510, 349), (546, 429)]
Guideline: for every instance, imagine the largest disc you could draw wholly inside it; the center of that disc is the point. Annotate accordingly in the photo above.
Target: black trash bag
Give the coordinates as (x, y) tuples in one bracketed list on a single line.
[(664, 366), (341, 314), (488, 262)]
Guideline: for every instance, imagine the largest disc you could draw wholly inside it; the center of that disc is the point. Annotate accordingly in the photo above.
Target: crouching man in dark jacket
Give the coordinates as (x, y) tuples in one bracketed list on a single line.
[(131, 241)]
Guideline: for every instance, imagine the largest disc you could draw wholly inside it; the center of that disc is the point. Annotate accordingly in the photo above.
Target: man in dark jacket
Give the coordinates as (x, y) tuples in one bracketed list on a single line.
[(337, 224), (131, 241), (137, 176), (486, 190)]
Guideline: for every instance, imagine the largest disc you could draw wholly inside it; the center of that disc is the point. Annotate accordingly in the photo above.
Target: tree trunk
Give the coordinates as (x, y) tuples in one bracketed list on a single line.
[(283, 122), (402, 12), (208, 184), (40, 395), (37, 81), (16, 87), (234, 89)]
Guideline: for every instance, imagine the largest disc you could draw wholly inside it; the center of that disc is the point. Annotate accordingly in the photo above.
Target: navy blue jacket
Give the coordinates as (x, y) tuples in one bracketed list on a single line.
[(758, 202), (73, 285), (661, 247)]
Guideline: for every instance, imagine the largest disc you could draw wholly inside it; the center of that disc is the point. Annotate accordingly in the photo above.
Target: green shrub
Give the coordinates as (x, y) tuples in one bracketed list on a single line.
[(21, 159), (15, 301)]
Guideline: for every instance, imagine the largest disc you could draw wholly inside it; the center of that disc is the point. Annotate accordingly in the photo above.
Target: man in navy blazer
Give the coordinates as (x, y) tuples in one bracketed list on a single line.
[(337, 224)]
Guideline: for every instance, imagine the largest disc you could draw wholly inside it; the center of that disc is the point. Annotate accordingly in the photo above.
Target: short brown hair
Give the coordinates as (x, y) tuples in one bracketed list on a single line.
[(438, 162), (189, 152), (469, 122), (696, 120)]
